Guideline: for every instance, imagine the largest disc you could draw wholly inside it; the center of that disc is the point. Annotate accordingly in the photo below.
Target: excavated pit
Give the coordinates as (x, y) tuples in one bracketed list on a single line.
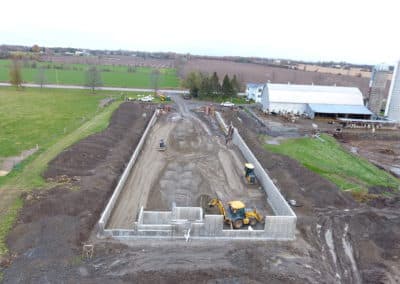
[(194, 165)]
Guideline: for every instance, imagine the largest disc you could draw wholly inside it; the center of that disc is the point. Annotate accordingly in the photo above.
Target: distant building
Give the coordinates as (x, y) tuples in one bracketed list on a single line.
[(315, 101), (377, 87), (254, 92), (82, 53), (392, 110)]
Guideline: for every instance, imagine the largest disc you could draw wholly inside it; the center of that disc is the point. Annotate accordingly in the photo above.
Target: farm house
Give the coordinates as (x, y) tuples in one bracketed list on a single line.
[(315, 101), (254, 92)]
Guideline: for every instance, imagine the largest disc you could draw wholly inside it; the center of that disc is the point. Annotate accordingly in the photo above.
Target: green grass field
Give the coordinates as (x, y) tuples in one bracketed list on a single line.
[(35, 116), (332, 161), (74, 74), (52, 118)]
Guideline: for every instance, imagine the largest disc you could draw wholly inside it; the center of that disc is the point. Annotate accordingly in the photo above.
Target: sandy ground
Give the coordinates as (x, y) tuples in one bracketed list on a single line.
[(196, 165)]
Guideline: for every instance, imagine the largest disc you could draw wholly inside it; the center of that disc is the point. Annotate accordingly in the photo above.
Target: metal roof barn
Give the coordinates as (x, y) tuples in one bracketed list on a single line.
[(313, 94), (331, 101), (345, 110)]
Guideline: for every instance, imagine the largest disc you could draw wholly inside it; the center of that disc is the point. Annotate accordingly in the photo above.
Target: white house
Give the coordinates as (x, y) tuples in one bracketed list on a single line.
[(254, 92), (325, 101)]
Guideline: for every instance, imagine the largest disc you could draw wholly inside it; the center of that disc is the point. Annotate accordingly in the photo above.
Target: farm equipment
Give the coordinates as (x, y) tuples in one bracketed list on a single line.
[(249, 173), (237, 214), (164, 98)]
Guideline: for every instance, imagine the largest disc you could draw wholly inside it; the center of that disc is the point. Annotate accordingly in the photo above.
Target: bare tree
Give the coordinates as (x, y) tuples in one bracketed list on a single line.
[(273, 75), (15, 73), (179, 63), (35, 48), (93, 78), (155, 79), (41, 79)]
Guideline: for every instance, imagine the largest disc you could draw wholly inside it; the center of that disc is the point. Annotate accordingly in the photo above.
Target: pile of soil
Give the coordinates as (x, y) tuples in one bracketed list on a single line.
[(53, 225)]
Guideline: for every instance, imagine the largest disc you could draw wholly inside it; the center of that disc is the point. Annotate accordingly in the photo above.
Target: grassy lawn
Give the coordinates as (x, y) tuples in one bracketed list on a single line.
[(35, 116), (332, 161), (54, 119), (74, 74)]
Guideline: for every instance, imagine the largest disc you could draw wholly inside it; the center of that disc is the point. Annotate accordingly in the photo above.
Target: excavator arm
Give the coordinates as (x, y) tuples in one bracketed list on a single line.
[(218, 203)]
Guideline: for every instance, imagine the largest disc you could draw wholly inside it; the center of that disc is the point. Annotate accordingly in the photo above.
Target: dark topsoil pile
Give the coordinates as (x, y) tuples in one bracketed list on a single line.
[(53, 225)]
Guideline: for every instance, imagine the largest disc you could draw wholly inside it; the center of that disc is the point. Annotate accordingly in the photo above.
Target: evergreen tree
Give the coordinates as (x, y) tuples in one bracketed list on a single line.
[(227, 90), (235, 85), (215, 85), (205, 86)]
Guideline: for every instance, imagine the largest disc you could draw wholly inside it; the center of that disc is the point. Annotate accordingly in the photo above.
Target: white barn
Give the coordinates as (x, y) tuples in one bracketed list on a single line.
[(326, 101)]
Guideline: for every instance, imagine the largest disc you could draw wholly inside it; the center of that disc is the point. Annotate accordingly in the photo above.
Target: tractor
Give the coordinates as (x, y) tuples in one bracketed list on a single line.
[(249, 173)]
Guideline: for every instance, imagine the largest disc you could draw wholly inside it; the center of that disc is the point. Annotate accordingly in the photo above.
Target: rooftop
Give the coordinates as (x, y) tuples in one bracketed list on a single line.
[(314, 94), (349, 109)]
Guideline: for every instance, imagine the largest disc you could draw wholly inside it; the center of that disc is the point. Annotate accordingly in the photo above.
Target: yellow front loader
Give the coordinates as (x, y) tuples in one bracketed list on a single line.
[(237, 214)]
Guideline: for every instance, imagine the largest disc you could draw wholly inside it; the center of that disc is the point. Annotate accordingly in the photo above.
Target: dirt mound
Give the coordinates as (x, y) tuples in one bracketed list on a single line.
[(53, 224), (81, 159)]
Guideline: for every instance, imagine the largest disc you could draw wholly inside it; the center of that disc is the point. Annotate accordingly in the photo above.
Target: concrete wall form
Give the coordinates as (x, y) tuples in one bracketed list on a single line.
[(188, 222), (111, 203), (210, 227), (275, 198)]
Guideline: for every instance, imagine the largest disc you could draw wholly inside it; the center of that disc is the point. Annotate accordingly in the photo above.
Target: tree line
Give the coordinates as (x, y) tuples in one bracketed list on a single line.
[(92, 78), (203, 85)]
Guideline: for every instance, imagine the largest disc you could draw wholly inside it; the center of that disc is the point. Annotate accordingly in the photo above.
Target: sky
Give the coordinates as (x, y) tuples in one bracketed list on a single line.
[(312, 30)]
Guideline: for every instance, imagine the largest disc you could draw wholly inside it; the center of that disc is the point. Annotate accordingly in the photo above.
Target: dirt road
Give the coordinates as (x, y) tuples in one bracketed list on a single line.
[(196, 164)]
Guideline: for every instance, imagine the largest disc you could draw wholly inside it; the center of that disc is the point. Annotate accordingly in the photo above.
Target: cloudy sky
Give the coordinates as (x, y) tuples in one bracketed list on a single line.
[(340, 30)]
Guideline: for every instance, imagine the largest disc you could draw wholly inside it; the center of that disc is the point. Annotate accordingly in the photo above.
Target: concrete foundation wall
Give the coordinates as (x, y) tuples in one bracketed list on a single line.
[(189, 223), (187, 213), (111, 203), (221, 122), (275, 199), (283, 225)]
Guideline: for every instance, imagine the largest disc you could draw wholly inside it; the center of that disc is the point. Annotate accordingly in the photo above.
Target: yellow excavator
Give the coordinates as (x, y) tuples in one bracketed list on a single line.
[(237, 214)]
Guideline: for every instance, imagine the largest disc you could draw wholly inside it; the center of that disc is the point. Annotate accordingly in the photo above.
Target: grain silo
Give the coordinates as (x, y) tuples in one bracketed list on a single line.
[(393, 103)]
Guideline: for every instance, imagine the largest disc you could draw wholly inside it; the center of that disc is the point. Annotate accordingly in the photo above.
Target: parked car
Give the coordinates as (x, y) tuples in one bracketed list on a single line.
[(187, 96), (227, 104), (147, 99)]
